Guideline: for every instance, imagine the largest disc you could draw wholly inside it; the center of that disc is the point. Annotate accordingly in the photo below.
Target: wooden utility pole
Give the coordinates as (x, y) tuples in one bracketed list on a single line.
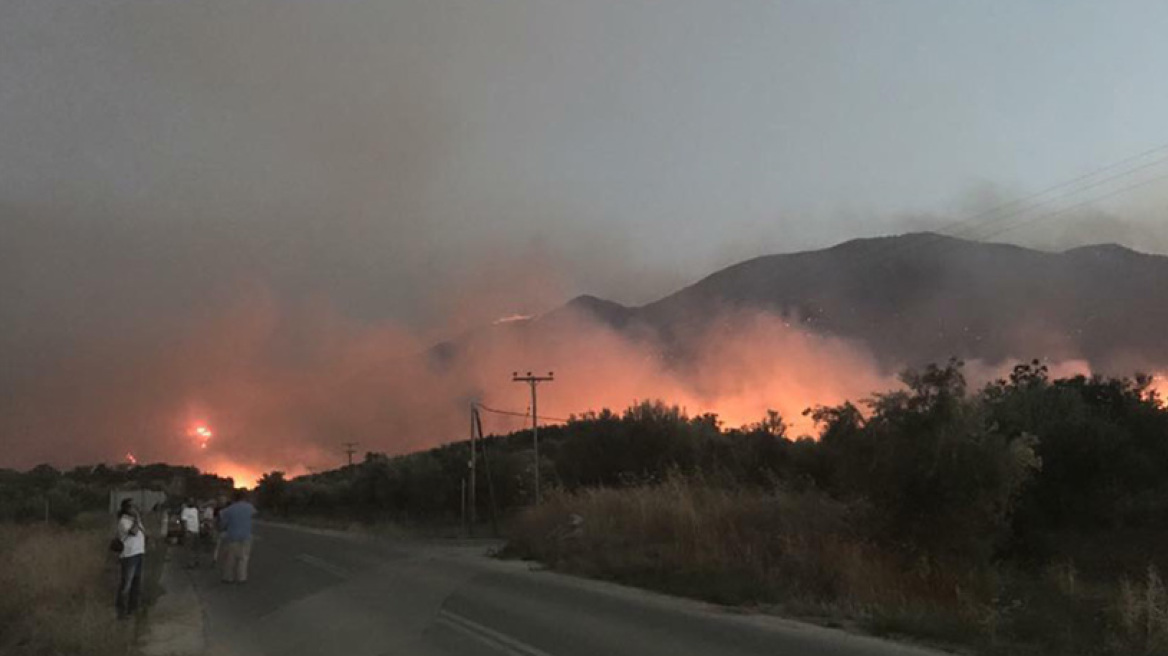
[(462, 498), (478, 428), (471, 464), (534, 381), (350, 450)]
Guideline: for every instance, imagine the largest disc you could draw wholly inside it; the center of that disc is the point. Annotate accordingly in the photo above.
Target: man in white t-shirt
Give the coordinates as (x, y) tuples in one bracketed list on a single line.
[(133, 537), (190, 522)]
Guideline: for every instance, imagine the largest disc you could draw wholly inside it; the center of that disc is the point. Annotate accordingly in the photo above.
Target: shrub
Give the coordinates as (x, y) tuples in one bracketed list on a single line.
[(1141, 611)]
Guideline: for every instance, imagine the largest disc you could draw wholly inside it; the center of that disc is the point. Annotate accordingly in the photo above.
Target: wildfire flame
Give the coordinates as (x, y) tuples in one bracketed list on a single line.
[(512, 318), (131, 459), (243, 475), (1159, 387), (202, 434)]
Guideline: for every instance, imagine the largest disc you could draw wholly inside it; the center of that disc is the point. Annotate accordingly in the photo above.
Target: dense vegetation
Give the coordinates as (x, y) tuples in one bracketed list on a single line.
[(26, 496), (57, 577), (948, 470), (1028, 514)]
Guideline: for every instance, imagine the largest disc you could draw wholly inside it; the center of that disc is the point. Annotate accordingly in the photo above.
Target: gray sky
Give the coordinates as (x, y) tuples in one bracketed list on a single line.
[(437, 162)]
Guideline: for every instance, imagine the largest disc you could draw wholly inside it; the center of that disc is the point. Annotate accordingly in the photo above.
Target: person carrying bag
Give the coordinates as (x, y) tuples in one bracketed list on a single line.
[(131, 543)]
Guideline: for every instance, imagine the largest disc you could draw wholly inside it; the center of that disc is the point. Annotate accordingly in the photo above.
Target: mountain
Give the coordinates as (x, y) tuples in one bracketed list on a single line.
[(924, 297)]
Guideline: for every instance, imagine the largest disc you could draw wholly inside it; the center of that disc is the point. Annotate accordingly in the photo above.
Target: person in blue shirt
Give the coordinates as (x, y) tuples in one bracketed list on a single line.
[(235, 524)]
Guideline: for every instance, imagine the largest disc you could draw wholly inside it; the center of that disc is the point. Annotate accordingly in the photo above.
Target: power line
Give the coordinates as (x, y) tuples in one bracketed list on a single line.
[(1020, 207), (1046, 216), (1070, 183), (1010, 221), (524, 415), (1050, 215)]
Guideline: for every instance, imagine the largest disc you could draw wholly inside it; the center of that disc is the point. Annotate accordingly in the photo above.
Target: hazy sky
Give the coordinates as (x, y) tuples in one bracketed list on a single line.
[(424, 160)]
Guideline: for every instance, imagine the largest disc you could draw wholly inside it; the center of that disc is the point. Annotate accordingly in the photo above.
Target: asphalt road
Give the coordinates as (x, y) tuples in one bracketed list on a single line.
[(326, 593)]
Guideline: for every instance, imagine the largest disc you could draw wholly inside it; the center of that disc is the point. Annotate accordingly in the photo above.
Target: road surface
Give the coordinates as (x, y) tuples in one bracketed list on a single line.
[(317, 592)]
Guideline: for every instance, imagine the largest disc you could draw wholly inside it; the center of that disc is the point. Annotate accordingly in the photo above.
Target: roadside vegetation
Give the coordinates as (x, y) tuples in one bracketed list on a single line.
[(58, 587), (57, 575), (1026, 517), (44, 492)]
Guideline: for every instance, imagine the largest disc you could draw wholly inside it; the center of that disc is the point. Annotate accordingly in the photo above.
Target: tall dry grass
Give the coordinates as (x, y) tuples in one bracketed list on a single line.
[(57, 590), (803, 552), (1141, 611), (810, 556)]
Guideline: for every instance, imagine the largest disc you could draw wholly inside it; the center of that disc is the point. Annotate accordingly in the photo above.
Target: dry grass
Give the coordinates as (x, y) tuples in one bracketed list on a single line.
[(58, 590), (1142, 615), (808, 556), (803, 554)]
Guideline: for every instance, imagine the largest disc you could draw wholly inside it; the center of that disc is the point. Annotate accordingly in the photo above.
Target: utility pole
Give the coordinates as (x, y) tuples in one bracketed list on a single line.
[(462, 498), (471, 464), (534, 381), (350, 450), (477, 427)]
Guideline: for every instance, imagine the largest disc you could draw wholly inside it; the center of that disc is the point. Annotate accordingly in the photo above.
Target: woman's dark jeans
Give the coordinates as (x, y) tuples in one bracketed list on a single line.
[(130, 586)]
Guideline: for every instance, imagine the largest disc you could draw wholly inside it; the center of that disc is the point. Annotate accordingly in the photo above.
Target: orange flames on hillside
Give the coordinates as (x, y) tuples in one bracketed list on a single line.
[(241, 474), (1159, 387), (380, 386), (371, 384)]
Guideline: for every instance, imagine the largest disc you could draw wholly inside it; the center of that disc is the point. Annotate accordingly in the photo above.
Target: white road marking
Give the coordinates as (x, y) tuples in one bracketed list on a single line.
[(335, 570), (488, 636)]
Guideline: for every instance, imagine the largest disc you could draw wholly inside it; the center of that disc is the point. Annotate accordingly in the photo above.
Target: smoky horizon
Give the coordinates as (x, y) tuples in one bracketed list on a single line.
[(261, 219)]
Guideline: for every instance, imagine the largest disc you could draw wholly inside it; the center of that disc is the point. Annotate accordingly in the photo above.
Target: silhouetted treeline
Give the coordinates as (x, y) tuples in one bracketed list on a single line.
[(24, 496), (937, 468)]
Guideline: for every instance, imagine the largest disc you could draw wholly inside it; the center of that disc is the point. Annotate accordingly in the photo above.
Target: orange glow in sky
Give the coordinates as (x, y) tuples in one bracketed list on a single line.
[(243, 475)]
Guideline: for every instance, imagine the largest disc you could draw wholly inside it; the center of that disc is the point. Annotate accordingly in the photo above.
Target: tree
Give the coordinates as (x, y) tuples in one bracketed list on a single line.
[(272, 492), (941, 477)]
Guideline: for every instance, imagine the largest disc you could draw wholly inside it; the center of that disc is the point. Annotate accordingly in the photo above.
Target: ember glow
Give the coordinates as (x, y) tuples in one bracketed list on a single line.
[(1159, 388), (242, 475), (201, 434), (131, 459), (511, 318)]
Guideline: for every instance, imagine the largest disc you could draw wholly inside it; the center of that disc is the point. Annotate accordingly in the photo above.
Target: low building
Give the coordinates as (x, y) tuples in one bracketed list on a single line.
[(147, 500)]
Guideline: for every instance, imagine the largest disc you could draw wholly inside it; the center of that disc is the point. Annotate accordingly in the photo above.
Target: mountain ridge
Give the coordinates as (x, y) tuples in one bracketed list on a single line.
[(921, 297)]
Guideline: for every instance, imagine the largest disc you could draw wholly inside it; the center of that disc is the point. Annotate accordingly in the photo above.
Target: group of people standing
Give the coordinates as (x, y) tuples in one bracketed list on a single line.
[(230, 524), (196, 523)]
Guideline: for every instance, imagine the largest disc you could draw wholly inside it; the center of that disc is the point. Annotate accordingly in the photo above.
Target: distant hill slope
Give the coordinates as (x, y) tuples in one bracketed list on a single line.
[(924, 297)]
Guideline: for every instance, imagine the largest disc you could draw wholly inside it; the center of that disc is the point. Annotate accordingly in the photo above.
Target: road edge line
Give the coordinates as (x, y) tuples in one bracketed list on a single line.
[(489, 636)]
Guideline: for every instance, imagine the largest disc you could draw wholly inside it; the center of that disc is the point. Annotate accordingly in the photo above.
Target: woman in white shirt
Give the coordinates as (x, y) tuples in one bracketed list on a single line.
[(190, 521), (133, 556)]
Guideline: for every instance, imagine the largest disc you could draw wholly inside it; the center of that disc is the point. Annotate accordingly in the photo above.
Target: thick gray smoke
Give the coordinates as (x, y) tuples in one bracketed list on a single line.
[(255, 214)]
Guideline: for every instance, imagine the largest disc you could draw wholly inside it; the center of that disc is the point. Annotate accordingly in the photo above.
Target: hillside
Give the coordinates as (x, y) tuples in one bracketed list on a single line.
[(924, 297)]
